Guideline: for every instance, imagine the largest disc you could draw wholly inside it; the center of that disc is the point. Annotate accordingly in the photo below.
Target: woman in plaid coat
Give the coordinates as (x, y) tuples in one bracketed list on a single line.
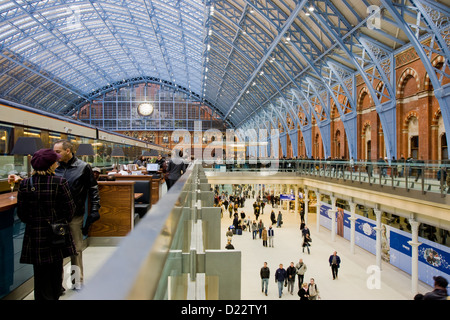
[(43, 199)]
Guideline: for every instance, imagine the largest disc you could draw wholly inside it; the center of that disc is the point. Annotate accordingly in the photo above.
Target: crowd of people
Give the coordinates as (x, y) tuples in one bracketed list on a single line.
[(232, 206), (247, 218)]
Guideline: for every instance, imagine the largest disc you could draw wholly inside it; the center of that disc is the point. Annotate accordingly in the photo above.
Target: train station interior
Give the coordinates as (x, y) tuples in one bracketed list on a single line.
[(199, 142)]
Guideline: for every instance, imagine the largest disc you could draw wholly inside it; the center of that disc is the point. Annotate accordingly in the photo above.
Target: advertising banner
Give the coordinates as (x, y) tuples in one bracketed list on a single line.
[(434, 258)]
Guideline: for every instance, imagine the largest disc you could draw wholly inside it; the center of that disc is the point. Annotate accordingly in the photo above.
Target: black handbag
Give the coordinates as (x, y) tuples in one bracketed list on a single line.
[(60, 231)]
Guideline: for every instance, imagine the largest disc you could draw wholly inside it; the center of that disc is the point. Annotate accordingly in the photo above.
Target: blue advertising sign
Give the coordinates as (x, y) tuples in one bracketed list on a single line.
[(289, 197)]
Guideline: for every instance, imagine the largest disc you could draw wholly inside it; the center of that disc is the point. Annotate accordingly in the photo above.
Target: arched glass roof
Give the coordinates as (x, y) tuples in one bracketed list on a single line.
[(254, 62)]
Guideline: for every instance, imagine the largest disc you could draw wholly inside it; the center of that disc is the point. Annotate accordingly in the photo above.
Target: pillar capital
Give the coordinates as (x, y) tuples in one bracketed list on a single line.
[(414, 244)]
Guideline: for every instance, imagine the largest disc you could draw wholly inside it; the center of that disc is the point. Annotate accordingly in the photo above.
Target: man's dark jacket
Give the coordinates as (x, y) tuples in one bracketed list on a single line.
[(82, 183)]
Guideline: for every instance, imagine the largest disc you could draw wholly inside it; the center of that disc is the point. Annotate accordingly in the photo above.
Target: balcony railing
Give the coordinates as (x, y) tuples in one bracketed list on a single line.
[(409, 175)]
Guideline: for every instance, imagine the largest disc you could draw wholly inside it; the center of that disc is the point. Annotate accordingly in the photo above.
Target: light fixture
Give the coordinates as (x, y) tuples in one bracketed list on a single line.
[(85, 149), (145, 109), (27, 146), (117, 152)]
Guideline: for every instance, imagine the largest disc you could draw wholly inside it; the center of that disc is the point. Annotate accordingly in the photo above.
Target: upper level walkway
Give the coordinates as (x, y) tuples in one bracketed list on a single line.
[(390, 189)]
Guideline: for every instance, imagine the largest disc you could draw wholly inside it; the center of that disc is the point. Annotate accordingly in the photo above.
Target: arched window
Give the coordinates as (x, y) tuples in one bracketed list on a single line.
[(413, 137), (444, 147), (368, 141)]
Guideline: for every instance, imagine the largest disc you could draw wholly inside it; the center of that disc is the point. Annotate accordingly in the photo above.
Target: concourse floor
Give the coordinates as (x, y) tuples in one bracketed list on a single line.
[(350, 285), (352, 280)]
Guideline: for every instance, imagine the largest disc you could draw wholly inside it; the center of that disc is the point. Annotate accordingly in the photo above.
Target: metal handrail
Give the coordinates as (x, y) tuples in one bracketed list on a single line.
[(408, 175)]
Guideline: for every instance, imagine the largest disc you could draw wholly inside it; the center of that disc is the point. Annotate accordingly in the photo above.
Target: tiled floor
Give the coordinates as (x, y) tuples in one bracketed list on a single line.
[(350, 285)]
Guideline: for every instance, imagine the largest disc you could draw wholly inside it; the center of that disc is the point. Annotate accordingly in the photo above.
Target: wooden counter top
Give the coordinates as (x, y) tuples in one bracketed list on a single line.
[(6, 203)]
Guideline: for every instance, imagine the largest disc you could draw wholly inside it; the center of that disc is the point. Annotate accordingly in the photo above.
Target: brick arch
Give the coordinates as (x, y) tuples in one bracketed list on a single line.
[(334, 112), (435, 119), (427, 84), (408, 117), (362, 93), (407, 73)]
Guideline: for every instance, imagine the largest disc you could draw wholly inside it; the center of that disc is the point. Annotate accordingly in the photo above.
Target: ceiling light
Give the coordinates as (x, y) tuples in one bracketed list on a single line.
[(311, 8)]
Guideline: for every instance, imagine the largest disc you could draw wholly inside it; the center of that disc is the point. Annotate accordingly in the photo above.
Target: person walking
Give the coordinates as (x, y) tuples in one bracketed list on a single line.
[(306, 239), (265, 275), (313, 291), (83, 187), (291, 272), (44, 199), (301, 269), (303, 292), (280, 279), (229, 234), (272, 217), (335, 262), (279, 219), (254, 229), (270, 234), (264, 236), (306, 243), (260, 227)]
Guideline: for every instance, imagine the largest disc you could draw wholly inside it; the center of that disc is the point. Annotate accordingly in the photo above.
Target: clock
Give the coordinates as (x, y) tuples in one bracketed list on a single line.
[(145, 109)]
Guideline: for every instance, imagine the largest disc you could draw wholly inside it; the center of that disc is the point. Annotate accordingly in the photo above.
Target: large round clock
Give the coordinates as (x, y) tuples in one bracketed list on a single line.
[(145, 109)]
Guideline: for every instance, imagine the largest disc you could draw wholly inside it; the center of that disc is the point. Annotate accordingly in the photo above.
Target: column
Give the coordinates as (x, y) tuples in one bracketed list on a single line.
[(296, 199), (414, 243), (378, 238), (332, 213), (352, 226), (306, 200), (318, 211)]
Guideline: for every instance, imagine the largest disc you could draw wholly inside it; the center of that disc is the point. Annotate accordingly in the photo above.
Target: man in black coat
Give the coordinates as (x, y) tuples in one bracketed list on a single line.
[(334, 261), (83, 185)]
